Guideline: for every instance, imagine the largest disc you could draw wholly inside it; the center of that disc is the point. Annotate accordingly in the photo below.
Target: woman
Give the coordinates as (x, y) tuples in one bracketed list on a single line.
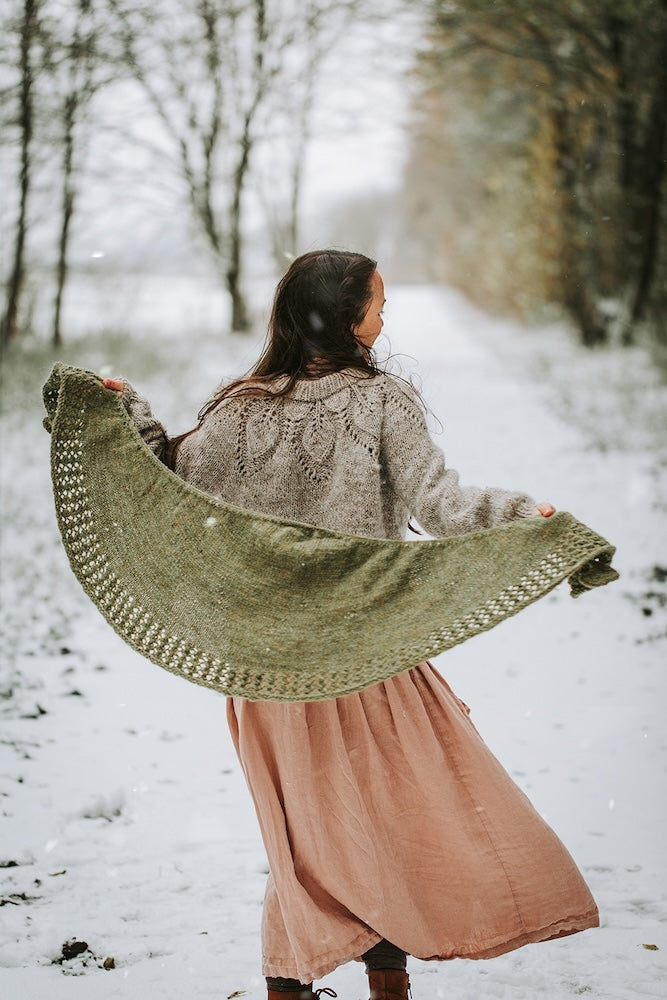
[(389, 827)]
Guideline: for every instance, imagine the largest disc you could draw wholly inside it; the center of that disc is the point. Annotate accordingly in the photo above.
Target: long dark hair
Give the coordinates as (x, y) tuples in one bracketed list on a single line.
[(319, 301)]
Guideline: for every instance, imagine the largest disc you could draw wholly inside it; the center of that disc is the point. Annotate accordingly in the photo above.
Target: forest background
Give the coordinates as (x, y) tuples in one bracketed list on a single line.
[(513, 149)]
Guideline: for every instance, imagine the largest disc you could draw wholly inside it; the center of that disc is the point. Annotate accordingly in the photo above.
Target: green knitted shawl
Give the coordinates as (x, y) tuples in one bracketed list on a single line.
[(267, 609)]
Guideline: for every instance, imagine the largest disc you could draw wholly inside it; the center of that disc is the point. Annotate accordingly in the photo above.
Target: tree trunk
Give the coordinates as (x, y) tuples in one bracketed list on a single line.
[(16, 282), (625, 108), (649, 205), (576, 276), (299, 154), (66, 212), (240, 320)]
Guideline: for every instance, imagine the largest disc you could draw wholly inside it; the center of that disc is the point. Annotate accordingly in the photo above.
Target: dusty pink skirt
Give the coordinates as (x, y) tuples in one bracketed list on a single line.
[(384, 815)]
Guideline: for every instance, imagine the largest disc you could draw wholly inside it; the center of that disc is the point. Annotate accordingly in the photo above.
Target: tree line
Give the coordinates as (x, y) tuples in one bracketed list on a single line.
[(536, 162), (219, 76), (538, 158)]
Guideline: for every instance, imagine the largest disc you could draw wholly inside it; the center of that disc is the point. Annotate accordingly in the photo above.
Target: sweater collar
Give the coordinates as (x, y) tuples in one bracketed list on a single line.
[(325, 385)]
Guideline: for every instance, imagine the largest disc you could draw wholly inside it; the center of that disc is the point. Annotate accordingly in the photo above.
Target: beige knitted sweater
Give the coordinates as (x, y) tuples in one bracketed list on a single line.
[(345, 452)]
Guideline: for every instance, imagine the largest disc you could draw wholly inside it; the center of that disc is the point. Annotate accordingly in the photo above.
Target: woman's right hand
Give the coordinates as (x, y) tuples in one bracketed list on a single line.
[(116, 384), (543, 510)]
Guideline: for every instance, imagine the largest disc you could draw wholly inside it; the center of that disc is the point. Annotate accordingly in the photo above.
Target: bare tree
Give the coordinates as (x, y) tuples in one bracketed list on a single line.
[(74, 63), (28, 29), (56, 80), (320, 29), (207, 74), (225, 77)]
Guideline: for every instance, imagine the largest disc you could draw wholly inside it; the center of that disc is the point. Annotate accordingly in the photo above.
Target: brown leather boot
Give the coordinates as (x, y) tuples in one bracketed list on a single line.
[(307, 993), (389, 984)]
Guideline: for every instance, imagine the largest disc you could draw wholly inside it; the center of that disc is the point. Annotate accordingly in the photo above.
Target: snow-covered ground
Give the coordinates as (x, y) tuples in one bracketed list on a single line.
[(126, 823)]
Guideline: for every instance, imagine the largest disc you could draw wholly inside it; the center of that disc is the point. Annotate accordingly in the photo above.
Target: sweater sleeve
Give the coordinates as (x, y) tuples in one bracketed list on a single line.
[(414, 469), (142, 417)]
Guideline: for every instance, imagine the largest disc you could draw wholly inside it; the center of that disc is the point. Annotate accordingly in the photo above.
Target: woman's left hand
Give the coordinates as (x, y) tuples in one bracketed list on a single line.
[(116, 384), (543, 510)]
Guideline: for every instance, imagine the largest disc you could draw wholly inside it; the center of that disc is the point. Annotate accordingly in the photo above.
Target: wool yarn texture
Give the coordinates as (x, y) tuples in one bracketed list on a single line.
[(261, 608)]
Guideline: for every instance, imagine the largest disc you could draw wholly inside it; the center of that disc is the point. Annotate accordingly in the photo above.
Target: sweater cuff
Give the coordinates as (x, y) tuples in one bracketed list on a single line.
[(525, 508), (137, 407), (132, 401), (142, 417)]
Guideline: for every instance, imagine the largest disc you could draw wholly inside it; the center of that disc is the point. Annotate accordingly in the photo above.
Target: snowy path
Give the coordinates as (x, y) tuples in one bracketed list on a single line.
[(124, 808)]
